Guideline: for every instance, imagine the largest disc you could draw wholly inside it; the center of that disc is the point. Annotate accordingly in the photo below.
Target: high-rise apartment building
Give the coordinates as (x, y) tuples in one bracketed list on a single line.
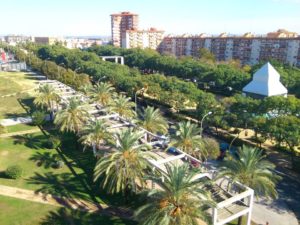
[(249, 49), (125, 32), (142, 38), (120, 23)]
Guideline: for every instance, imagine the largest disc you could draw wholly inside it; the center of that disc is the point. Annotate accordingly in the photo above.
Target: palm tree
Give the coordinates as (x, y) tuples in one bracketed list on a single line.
[(125, 164), (95, 134), (179, 200), (102, 93), (123, 106), (73, 117), (189, 140), (86, 89), (47, 98), (153, 121), (251, 169)]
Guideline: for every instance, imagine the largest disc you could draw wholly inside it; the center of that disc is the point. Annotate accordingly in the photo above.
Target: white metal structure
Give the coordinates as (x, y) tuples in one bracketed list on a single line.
[(231, 204), (116, 58), (265, 83)]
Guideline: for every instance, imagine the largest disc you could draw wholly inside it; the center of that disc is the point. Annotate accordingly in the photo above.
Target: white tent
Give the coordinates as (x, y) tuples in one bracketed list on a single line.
[(265, 83)]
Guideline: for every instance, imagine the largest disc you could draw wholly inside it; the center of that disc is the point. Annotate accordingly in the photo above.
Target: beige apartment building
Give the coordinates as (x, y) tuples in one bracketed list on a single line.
[(282, 45), (142, 38), (126, 34), (47, 40), (120, 23)]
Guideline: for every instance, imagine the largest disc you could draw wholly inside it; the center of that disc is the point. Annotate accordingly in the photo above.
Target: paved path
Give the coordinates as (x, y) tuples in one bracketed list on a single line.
[(15, 121), (20, 133), (50, 199)]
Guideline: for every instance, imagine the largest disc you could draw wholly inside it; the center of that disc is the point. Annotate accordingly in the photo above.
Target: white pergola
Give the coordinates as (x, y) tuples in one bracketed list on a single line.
[(231, 204), (115, 57)]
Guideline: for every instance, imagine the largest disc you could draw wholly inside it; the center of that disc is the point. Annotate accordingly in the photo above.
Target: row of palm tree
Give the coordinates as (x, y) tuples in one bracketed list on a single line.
[(124, 163)]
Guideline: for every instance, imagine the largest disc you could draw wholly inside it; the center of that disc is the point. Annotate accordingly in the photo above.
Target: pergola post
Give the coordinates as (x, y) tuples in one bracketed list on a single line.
[(214, 216), (250, 199)]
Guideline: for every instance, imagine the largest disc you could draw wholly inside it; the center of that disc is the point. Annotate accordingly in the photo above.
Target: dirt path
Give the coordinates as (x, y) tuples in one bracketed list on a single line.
[(50, 199), (20, 133)]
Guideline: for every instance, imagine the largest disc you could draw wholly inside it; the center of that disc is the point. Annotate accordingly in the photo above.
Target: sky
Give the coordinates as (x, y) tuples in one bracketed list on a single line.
[(92, 17)]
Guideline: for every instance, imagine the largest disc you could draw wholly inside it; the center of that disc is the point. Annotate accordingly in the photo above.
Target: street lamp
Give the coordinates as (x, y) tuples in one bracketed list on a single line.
[(135, 97), (47, 67), (58, 71), (201, 123)]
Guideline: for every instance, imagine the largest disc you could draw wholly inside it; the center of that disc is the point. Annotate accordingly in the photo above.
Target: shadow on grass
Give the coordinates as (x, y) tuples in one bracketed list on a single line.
[(45, 159), (3, 175), (31, 141), (60, 185), (73, 217)]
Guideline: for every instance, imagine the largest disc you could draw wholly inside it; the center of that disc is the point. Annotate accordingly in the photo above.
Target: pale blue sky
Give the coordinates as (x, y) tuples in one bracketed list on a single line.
[(91, 17)]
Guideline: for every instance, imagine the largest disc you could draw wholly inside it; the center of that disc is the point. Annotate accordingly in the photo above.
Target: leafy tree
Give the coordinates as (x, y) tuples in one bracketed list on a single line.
[(251, 169), (73, 117), (179, 200), (125, 164), (206, 56), (47, 98)]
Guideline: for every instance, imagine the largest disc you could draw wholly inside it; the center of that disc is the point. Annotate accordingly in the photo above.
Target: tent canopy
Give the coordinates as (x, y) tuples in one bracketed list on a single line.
[(266, 82)]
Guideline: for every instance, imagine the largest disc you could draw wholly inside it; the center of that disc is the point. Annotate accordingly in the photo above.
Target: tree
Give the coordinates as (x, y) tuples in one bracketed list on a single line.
[(206, 56), (125, 164), (102, 93), (188, 139), (251, 169), (123, 106), (95, 134), (179, 200), (47, 98), (38, 117), (73, 117), (153, 121)]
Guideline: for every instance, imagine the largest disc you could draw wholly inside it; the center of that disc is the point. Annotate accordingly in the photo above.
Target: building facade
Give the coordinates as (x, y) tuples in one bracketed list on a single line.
[(142, 38), (248, 49), (120, 23), (126, 34)]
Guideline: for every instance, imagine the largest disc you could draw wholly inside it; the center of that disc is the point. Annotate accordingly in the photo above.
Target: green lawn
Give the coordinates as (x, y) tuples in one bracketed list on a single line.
[(21, 212), (20, 127), (20, 87), (31, 153)]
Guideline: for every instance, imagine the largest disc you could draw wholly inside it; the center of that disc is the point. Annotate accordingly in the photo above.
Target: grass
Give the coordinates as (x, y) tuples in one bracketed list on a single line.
[(20, 127), (31, 153), (21, 212), (14, 87), (32, 213)]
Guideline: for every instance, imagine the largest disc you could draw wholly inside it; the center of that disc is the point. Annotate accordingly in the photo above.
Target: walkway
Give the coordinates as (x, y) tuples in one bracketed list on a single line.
[(15, 121)]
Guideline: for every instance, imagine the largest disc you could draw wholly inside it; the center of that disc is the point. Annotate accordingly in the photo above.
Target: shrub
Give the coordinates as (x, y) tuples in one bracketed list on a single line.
[(14, 172), (59, 164), (53, 142)]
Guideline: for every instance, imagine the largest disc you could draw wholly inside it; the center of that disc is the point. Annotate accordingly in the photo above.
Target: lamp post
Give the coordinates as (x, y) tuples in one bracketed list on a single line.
[(45, 61), (201, 123), (58, 70)]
